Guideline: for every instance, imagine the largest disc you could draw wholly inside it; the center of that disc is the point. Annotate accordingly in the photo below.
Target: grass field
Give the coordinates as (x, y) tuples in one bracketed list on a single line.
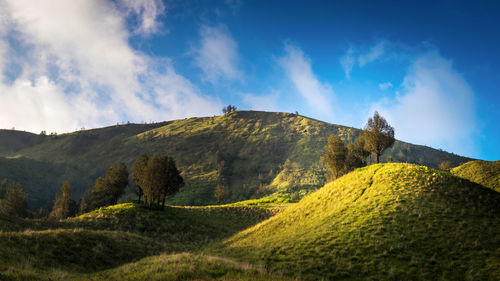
[(381, 222), (390, 221), (486, 173)]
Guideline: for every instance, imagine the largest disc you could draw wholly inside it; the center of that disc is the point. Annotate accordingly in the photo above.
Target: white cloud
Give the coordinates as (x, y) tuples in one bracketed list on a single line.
[(347, 62), (217, 54), (146, 13), (78, 68), (436, 107), (375, 52), (298, 68), (267, 102), (385, 86)]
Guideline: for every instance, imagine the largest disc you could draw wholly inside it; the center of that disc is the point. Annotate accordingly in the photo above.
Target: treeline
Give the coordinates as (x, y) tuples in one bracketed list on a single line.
[(156, 178)]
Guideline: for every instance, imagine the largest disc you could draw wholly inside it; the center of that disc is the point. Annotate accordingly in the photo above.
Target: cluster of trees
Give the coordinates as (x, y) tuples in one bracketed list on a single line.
[(107, 190), (376, 137), (64, 206), (12, 199), (156, 178), (228, 109)]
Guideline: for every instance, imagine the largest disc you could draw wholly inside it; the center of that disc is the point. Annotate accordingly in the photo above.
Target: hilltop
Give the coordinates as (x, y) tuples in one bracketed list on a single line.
[(486, 173), (253, 153), (385, 221)]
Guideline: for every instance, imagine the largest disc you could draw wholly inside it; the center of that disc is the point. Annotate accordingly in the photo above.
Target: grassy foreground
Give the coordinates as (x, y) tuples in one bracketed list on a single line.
[(486, 173), (385, 221), (382, 222), (108, 243)]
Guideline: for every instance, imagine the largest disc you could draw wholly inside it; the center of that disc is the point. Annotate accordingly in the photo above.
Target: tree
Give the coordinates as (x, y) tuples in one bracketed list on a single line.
[(64, 206), (378, 135), (335, 156), (117, 179), (3, 188), (445, 166), (220, 193), (228, 109), (15, 200), (107, 190), (138, 169), (356, 153), (158, 178)]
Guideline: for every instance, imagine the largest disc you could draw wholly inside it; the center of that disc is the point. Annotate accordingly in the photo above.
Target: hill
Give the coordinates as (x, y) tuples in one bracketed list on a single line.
[(382, 222), (252, 153), (112, 243), (486, 173)]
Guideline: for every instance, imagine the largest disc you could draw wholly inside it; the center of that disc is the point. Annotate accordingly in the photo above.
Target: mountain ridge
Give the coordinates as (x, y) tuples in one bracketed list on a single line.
[(243, 150)]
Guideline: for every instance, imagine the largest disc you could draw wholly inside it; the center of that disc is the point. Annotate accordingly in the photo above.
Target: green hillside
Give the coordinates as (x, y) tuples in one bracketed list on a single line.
[(253, 153), (382, 222), (113, 243), (486, 173), (184, 266)]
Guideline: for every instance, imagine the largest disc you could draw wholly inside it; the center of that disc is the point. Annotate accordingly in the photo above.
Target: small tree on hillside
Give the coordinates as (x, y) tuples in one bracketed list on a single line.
[(138, 169), (356, 153), (3, 188), (117, 178), (379, 135), (158, 178), (335, 156), (228, 109), (445, 166), (107, 190), (220, 193), (15, 200), (64, 206)]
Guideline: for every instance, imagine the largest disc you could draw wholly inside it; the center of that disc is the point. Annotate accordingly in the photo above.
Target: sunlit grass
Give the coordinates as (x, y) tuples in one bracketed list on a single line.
[(395, 221)]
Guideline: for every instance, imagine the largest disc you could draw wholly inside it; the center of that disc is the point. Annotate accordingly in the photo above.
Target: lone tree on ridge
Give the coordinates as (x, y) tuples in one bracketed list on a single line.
[(378, 135)]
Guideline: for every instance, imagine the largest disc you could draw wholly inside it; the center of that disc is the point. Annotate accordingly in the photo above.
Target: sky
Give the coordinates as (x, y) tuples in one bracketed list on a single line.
[(431, 68)]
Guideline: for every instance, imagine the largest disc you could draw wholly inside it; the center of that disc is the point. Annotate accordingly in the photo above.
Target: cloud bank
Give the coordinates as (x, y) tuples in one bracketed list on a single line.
[(75, 67), (436, 106)]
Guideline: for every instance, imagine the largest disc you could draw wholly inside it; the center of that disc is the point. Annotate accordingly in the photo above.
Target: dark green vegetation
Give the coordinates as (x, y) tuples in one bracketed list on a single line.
[(252, 154), (109, 238), (157, 178), (486, 173), (384, 221)]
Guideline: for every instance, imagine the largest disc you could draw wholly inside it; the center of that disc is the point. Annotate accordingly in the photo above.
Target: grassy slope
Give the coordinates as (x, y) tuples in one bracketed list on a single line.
[(486, 173), (184, 266), (254, 146), (116, 235), (391, 221), (41, 253), (182, 228)]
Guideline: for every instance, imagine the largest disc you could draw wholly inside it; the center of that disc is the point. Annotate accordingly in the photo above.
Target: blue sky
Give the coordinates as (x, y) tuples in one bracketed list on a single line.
[(430, 67)]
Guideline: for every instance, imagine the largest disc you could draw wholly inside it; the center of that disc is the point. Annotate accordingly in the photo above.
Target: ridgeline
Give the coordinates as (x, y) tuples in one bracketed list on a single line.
[(252, 153)]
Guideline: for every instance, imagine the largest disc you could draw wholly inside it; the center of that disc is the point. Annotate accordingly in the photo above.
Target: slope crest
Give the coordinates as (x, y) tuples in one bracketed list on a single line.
[(486, 173), (396, 221)]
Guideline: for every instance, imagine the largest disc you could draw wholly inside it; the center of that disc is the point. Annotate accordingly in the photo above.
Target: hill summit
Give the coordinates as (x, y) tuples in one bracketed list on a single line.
[(384, 221)]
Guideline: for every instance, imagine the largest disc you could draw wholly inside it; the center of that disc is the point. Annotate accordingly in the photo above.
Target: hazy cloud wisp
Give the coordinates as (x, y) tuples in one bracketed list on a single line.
[(297, 67), (217, 54)]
